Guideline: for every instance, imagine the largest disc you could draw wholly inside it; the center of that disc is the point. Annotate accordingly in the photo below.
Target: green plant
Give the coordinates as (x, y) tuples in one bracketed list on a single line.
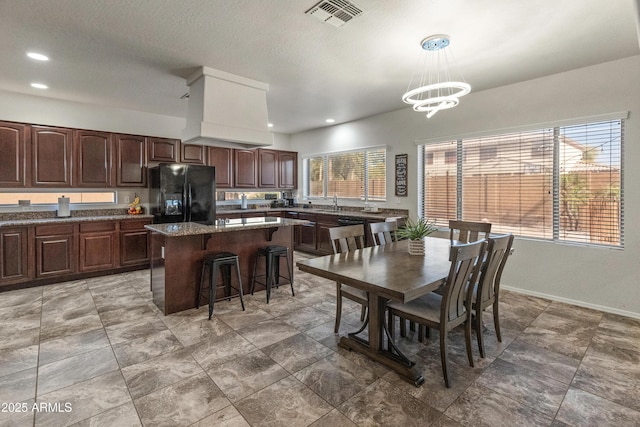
[(416, 230)]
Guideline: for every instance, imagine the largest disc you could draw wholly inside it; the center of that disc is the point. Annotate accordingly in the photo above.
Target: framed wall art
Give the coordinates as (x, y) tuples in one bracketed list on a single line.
[(401, 174)]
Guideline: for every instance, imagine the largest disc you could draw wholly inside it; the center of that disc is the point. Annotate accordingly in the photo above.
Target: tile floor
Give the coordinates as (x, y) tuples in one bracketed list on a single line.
[(99, 353)]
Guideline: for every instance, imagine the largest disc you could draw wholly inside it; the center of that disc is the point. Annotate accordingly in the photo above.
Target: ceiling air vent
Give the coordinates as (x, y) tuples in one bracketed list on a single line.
[(335, 12)]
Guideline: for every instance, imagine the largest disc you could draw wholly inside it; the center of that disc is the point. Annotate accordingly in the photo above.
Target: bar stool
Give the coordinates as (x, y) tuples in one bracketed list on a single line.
[(272, 274), (222, 261)]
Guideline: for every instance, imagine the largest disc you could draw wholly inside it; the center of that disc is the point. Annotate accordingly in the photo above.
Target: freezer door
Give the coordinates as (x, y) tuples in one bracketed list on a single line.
[(168, 193), (201, 194)]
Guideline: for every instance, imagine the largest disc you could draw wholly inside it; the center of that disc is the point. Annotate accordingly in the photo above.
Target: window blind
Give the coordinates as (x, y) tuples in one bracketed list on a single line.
[(562, 183)]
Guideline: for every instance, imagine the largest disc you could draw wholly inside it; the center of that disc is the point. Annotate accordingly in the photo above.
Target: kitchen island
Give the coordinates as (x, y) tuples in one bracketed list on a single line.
[(177, 250)]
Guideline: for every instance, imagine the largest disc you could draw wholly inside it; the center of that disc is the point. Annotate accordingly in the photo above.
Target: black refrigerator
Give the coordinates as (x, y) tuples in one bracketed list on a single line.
[(183, 193)]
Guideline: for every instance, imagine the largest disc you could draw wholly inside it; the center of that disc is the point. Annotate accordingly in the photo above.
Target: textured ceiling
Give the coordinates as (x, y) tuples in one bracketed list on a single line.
[(136, 54)]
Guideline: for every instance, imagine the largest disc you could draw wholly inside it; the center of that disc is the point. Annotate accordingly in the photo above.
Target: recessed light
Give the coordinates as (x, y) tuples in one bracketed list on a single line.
[(330, 120), (37, 56), (39, 86), (270, 125)]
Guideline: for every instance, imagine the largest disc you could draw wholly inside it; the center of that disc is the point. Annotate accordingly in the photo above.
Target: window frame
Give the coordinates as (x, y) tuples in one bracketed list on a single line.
[(555, 235)]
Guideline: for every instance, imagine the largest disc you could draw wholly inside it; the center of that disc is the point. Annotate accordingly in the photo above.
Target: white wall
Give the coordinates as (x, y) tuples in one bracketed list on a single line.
[(597, 277)]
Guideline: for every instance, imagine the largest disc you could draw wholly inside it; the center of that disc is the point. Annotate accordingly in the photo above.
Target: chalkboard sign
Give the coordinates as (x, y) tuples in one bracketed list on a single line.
[(401, 175)]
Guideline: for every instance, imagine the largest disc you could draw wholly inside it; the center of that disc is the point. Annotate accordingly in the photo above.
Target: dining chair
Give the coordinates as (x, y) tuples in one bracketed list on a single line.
[(468, 231), (487, 289), (345, 239), (452, 308), (383, 232)]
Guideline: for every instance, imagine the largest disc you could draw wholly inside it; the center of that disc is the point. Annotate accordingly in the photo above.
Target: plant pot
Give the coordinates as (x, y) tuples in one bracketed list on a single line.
[(416, 247)]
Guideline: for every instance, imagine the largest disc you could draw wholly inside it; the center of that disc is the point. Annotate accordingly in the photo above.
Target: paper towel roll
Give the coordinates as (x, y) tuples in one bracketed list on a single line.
[(63, 207)]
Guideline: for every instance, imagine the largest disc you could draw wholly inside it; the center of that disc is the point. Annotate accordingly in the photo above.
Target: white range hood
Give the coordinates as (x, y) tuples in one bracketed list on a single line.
[(226, 110)]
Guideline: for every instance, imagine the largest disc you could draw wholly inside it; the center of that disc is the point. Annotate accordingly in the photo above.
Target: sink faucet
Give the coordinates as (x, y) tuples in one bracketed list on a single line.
[(335, 202)]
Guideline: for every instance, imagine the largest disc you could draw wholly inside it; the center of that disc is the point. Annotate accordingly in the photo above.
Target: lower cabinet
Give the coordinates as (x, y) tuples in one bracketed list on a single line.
[(14, 254), (55, 250), (134, 243), (59, 252), (98, 246), (307, 233), (323, 240)]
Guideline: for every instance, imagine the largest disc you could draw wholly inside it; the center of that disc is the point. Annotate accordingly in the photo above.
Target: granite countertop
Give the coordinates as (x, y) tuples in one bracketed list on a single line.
[(73, 219), (180, 229), (323, 211)]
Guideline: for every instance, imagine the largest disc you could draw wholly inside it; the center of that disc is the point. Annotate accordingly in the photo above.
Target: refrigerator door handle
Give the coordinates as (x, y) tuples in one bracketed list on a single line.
[(189, 202), (185, 204)]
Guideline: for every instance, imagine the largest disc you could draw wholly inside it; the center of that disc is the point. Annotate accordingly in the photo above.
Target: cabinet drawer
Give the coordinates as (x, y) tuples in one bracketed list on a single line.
[(97, 226), (307, 216), (133, 225), (52, 230)]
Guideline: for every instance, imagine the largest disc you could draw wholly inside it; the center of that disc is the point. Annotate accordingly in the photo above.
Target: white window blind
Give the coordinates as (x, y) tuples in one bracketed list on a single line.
[(349, 175), (562, 183)]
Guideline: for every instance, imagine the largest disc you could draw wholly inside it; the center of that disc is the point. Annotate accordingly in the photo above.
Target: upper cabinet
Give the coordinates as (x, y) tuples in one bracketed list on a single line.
[(267, 168), (15, 158), (164, 150), (131, 160), (93, 159), (288, 165), (193, 154), (51, 156), (222, 159), (245, 168)]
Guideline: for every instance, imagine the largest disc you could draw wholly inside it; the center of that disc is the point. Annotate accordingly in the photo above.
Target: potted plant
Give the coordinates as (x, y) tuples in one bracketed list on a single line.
[(416, 231)]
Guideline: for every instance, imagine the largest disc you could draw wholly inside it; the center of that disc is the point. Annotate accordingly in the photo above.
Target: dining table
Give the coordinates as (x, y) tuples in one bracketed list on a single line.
[(386, 273)]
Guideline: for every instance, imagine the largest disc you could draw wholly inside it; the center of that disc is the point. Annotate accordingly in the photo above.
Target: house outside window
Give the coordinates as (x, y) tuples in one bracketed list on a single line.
[(562, 183), (359, 175)]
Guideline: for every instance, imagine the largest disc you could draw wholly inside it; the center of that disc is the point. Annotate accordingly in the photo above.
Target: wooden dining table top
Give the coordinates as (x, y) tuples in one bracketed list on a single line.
[(387, 270)]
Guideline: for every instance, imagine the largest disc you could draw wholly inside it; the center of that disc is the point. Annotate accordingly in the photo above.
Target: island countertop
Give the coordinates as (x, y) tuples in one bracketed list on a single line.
[(241, 224)]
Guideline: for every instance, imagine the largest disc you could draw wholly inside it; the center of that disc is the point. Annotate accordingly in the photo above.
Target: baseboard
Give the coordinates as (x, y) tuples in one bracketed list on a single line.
[(573, 302)]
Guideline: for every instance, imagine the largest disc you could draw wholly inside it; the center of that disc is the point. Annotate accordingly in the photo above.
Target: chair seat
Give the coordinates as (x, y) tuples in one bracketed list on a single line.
[(353, 293), (426, 307), (219, 256)]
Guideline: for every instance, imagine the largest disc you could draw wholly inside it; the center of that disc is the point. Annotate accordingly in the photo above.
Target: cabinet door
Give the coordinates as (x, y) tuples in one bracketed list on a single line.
[(15, 161), (193, 154), (134, 243), (222, 159), (131, 160), (55, 250), (288, 164), (93, 159), (323, 240), (14, 255), (267, 168), (245, 168), (97, 246), (51, 156), (164, 150)]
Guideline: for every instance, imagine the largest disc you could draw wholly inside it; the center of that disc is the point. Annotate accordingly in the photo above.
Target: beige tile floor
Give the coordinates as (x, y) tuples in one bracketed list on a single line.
[(99, 353)]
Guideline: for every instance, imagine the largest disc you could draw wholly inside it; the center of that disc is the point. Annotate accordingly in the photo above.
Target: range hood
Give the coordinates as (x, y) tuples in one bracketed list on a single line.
[(226, 110)]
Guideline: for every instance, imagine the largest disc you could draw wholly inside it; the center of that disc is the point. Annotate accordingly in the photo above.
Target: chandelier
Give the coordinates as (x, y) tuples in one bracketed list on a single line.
[(436, 89)]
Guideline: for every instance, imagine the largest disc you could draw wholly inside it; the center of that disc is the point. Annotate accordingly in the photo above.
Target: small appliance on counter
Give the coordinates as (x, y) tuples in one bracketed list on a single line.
[(63, 207), (243, 201), (289, 201)]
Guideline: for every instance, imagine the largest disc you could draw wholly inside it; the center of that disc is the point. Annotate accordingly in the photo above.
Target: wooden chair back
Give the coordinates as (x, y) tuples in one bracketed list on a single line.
[(347, 238), (463, 276), (383, 232), (469, 231), (498, 251)]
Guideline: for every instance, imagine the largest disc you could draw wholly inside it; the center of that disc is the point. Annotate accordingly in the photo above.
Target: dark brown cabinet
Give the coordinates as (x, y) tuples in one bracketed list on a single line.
[(93, 159), (222, 159), (15, 158), (193, 154), (51, 156), (134, 243), (97, 246), (323, 240), (131, 160), (245, 169), (55, 250), (267, 168), (14, 255), (288, 169), (164, 150), (307, 233)]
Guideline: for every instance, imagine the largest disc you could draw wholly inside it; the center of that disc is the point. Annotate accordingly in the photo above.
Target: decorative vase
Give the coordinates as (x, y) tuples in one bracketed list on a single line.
[(416, 247)]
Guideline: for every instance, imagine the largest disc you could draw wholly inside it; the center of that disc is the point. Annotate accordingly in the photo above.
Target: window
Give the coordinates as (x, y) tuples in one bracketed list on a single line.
[(560, 183), (357, 175), (52, 198)]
